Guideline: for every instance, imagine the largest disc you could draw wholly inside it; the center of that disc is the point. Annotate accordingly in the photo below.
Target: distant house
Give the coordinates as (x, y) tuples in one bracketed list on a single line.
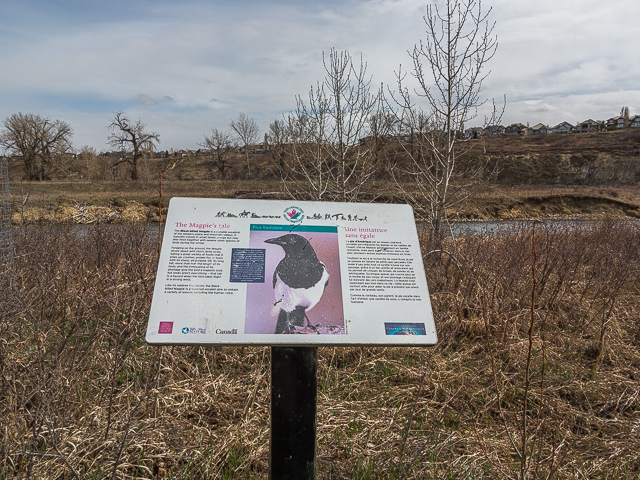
[(494, 130), (635, 122), (261, 147), (400, 138), (538, 129), (474, 132), (617, 123), (587, 126), (516, 129), (564, 127)]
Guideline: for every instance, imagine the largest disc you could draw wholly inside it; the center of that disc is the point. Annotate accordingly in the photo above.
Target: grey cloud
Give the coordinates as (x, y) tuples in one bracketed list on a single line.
[(144, 99), (567, 60), (262, 61), (538, 108)]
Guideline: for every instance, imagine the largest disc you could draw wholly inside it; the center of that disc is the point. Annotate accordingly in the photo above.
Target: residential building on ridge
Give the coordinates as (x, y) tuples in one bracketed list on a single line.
[(474, 132), (494, 130), (564, 127), (516, 129), (617, 123), (538, 129), (587, 126)]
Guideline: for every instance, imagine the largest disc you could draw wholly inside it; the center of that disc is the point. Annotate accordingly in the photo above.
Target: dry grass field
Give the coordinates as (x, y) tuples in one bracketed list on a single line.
[(536, 374)]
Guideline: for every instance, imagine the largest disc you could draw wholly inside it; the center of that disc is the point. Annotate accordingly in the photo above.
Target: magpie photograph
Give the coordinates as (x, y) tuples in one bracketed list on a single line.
[(302, 292), (299, 281)]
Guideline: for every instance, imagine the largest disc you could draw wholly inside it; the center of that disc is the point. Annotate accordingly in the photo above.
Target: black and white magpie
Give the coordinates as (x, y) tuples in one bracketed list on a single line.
[(299, 281)]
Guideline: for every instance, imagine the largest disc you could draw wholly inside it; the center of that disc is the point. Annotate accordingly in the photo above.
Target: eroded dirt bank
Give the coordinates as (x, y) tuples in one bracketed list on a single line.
[(497, 203)]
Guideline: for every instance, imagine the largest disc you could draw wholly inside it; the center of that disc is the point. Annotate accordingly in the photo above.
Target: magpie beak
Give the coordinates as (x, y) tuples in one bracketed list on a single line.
[(299, 281)]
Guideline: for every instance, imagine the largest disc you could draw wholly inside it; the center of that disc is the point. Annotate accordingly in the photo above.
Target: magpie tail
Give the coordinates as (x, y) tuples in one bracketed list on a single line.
[(287, 320)]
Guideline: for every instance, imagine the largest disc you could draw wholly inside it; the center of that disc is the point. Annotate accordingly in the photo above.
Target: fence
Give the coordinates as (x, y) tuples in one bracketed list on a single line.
[(6, 238)]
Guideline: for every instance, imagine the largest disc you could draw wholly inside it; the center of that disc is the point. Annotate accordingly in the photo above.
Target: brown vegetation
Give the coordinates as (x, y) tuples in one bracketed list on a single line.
[(617, 143), (535, 375), (537, 176), (128, 202)]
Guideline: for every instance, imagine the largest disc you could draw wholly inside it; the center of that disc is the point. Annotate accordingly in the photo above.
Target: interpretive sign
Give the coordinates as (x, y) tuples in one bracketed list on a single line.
[(270, 272)]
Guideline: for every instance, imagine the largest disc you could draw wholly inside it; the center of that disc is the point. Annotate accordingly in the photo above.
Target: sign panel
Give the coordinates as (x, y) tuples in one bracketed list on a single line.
[(271, 272)]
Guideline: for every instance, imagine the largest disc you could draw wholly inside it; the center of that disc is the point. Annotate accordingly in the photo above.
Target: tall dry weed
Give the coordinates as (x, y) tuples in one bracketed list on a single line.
[(82, 395), (541, 368)]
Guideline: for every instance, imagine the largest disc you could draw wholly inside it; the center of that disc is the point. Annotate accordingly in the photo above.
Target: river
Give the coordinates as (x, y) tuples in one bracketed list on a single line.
[(454, 229)]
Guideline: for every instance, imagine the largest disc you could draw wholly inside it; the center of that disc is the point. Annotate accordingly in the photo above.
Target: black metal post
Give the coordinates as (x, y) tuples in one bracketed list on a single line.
[(294, 384)]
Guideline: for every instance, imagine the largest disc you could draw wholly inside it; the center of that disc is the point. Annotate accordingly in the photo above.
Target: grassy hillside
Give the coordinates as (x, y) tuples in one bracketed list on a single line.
[(604, 159)]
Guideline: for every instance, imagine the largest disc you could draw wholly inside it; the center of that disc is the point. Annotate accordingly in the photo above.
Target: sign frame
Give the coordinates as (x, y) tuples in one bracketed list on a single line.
[(217, 284)]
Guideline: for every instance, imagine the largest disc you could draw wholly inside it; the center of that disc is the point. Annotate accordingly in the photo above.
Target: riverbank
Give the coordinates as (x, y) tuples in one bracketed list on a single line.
[(538, 201), (128, 202)]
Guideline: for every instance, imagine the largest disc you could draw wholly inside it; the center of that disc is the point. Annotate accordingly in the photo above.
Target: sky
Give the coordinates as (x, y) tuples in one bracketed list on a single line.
[(186, 67)]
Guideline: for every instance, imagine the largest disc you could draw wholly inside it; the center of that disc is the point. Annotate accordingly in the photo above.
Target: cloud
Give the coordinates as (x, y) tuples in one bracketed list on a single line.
[(144, 99), (555, 61), (547, 49)]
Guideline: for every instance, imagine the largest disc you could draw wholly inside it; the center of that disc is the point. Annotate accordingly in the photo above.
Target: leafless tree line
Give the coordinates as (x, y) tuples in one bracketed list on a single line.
[(223, 143), (45, 146)]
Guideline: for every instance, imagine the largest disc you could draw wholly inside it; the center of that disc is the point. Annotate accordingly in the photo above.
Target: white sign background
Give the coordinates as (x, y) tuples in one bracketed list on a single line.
[(215, 280)]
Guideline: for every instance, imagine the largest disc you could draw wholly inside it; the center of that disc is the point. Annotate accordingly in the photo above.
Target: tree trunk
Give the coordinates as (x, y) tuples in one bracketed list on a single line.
[(134, 168)]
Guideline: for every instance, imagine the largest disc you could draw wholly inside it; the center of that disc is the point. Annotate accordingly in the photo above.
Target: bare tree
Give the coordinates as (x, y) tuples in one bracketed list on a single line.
[(42, 143), (276, 140), (382, 126), (221, 145), (95, 168), (449, 67), (624, 113), (329, 151), (247, 130), (131, 137)]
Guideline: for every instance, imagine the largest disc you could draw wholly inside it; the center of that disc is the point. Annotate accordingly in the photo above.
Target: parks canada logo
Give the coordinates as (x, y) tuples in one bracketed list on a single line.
[(293, 214)]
